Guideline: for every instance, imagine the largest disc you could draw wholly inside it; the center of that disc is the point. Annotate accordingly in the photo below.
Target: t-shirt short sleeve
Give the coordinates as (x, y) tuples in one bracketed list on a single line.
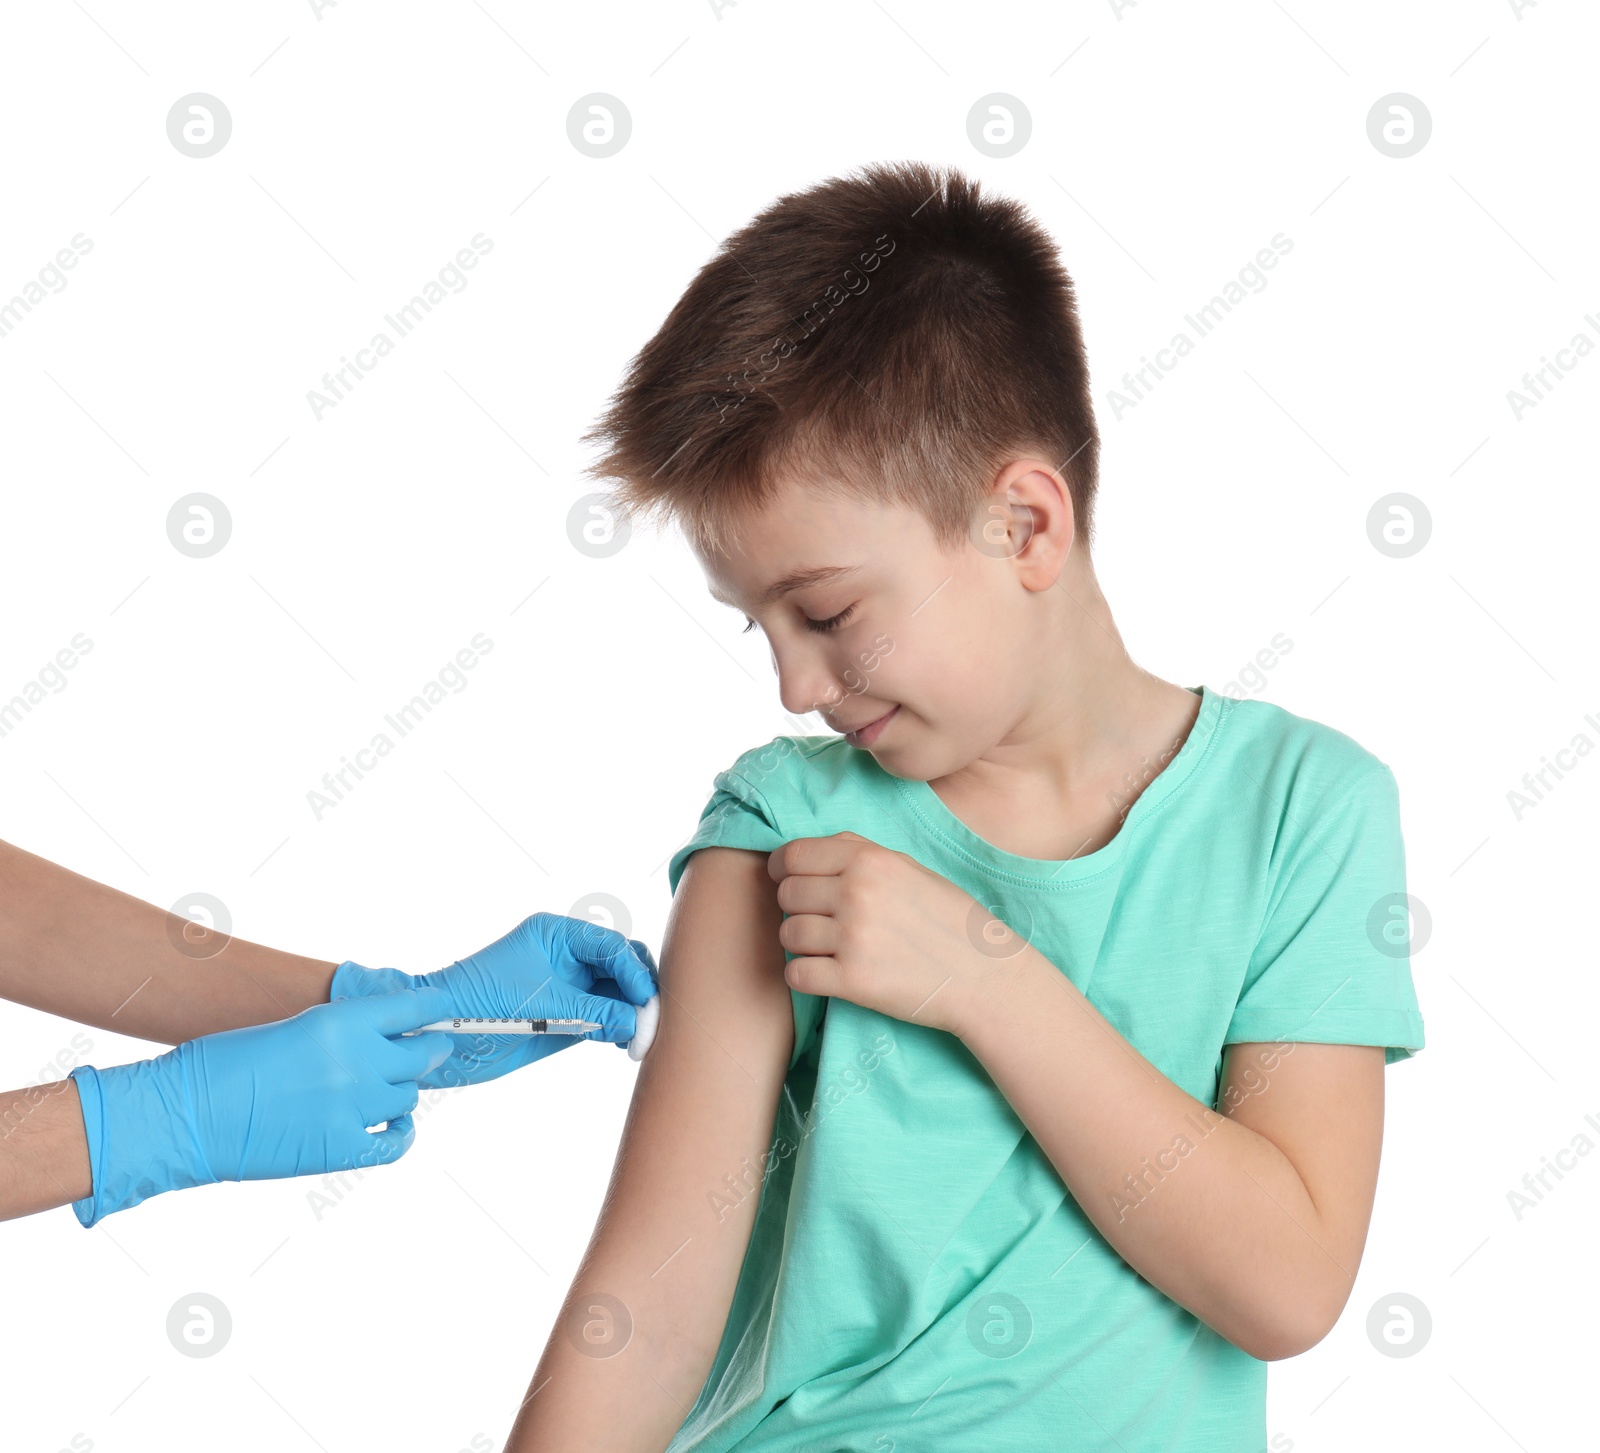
[(740, 814), (1331, 963)]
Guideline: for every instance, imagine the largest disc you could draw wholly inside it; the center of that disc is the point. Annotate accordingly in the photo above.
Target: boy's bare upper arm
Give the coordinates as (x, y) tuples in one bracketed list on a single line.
[(722, 964), (703, 1108)]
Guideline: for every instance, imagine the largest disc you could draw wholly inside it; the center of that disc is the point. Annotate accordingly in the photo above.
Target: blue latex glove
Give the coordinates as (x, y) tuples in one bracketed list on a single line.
[(549, 966), (290, 1098)]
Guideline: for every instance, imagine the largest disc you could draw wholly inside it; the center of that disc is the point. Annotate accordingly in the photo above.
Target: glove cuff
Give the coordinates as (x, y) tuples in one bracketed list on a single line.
[(352, 981), (136, 1123)]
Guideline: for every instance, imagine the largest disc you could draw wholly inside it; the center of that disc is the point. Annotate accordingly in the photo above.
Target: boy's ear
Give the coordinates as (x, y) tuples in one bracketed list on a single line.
[(1027, 523), (1046, 525)]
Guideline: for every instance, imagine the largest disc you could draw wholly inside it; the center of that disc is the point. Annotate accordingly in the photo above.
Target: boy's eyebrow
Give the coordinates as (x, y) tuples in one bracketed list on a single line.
[(797, 580)]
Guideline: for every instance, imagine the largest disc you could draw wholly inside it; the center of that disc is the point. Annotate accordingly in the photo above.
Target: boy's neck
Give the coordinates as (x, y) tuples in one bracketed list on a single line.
[(1097, 734)]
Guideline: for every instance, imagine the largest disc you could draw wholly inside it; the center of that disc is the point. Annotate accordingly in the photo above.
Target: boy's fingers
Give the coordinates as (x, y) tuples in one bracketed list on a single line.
[(813, 855)]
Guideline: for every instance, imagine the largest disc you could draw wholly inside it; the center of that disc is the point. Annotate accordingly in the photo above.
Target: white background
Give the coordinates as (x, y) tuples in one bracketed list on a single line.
[(1169, 144)]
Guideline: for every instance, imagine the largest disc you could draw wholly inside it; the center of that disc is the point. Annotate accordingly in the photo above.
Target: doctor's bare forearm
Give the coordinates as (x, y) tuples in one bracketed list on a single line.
[(84, 951), (44, 1158)]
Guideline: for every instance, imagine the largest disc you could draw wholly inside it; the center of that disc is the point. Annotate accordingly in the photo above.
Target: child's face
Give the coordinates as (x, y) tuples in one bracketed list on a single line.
[(943, 639)]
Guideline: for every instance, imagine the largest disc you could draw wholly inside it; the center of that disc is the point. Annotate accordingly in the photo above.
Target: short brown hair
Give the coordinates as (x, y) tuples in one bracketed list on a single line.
[(906, 336)]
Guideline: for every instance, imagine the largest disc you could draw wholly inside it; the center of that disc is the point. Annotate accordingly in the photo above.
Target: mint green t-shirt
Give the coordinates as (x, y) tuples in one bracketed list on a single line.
[(918, 1276)]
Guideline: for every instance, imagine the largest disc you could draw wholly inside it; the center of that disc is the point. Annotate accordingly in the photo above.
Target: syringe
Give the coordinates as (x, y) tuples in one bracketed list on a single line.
[(649, 1016), (511, 1026)]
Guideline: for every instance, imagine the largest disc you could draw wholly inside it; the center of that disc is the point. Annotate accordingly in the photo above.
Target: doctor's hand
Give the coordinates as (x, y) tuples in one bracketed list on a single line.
[(548, 967), (293, 1097)]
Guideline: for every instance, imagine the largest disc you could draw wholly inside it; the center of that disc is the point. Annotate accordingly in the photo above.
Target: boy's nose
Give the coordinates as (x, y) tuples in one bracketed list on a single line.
[(804, 687)]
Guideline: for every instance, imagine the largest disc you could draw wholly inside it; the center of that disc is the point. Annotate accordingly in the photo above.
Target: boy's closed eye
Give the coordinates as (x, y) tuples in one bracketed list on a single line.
[(831, 624)]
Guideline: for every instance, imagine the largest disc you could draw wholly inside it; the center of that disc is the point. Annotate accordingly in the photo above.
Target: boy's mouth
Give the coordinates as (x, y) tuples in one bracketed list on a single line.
[(865, 735)]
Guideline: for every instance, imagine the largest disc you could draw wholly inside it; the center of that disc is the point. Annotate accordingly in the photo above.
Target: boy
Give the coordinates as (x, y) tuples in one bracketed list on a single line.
[(1063, 1116)]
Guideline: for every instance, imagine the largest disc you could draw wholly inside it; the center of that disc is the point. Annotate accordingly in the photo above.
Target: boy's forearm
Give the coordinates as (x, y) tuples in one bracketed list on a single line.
[(82, 950), (44, 1157), (1232, 1234)]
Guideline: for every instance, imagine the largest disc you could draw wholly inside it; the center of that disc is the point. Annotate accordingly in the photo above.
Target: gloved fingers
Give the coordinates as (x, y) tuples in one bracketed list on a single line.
[(640, 983), (616, 1017), (348, 1120), (411, 1058), (389, 1102), (595, 951), (479, 1058), (470, 1062), (389, 1144), (638, 986), (551, 998), (465, 1065), (486, 1057), (609, 989), (404, 1009)]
